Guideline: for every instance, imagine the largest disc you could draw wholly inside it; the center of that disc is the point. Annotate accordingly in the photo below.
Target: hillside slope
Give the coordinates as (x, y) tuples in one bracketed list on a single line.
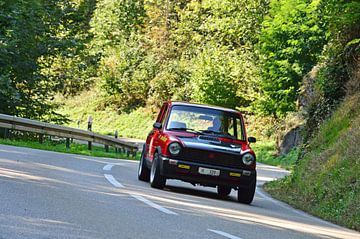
[(106, 120), (326, 181)]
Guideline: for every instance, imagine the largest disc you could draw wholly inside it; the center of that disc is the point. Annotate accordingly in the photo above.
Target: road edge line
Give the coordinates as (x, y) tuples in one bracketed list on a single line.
[(153, 205), (113, 181)]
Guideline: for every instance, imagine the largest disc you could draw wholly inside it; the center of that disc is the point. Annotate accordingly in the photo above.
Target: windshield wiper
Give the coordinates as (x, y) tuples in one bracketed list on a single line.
[(186, 129)]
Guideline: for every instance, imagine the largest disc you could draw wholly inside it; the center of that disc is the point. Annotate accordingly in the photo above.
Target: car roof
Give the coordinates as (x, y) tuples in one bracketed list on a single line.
[(203, 106)]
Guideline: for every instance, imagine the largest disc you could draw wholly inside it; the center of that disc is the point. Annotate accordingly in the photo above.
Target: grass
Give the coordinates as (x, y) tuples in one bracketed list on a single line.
[(106, 120), (266, 153), (75, 148), (326, 181)]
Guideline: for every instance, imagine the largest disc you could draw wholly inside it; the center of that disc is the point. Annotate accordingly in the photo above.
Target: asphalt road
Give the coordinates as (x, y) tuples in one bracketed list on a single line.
[(54, 195)]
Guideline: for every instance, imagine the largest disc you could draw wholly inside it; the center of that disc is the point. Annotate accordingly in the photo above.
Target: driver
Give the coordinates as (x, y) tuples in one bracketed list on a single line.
[(216, 125)]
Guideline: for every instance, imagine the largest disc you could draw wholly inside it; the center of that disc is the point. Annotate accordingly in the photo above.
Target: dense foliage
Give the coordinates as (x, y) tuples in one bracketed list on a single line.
[(41, 45), (249, 54), (290, 44)]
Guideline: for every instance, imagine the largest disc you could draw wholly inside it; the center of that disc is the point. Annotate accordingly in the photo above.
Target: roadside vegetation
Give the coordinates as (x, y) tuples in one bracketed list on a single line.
[(75, 148), (267, 153), (135, 124), (325, 182)]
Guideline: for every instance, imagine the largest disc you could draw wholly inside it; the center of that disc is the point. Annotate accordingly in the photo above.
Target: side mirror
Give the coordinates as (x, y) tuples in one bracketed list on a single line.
[(157, 125), (252, 140)]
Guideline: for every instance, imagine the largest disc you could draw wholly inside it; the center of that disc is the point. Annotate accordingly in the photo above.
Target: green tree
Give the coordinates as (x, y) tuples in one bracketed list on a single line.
[(114, 21), (24, 38), (117, 44), (40, 42), (125, 71), (220, 77), (71, 67), (183, 36), (291, 42)]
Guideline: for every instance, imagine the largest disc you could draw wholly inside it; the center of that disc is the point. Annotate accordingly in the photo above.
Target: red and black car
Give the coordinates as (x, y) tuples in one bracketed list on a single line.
[(203, 145)]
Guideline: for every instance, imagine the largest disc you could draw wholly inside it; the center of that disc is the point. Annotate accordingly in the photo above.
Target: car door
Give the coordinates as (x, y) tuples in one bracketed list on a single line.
[(152, 140)]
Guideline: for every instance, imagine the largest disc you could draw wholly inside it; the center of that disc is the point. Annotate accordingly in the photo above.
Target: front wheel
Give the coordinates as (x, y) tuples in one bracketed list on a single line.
[(246, 195), (143, 171), (156, 179)]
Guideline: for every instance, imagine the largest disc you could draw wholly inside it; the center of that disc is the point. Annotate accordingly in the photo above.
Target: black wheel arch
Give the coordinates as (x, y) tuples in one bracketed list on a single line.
[(158, 150)]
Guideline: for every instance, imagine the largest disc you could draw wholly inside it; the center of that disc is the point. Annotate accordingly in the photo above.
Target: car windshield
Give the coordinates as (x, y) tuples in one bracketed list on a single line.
[(205, 121)]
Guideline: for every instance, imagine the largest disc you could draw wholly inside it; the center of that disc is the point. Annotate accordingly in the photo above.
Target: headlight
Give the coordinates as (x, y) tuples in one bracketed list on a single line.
[(174, 148), (248, 159)]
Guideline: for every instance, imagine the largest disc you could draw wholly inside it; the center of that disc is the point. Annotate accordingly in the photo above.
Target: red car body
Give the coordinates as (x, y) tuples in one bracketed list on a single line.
[(219, 158)]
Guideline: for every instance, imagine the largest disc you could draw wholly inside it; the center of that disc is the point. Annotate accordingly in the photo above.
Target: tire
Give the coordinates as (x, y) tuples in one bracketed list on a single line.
[(246, 195), (143, 171), (156, 179), (223, 191)]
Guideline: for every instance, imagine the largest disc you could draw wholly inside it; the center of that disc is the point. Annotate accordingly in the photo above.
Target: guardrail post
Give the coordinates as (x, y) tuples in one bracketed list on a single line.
[(89, 145), (6, 133), (67, 143), (134, 153), (41, 138), (90, 121), (106, 148), (116, 136)]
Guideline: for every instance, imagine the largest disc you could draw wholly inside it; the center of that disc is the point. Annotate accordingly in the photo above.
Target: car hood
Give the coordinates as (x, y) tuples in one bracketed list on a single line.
[(210, 143)]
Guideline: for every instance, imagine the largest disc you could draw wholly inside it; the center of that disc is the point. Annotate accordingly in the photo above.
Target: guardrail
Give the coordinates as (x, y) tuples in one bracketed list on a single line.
[(42, 128)]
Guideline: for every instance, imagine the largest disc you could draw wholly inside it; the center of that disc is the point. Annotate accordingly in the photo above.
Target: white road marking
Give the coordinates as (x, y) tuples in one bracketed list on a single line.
[(108, 167), (113, 181), (224, 234), (154, 205)]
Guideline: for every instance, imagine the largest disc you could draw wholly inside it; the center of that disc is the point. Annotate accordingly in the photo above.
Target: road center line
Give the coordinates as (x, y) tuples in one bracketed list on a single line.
[(113, 181), (154, 205), (108, 167), (224, 234)]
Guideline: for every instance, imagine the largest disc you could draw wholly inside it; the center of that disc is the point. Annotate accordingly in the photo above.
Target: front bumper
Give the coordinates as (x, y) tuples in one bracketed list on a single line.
[(189, 172)]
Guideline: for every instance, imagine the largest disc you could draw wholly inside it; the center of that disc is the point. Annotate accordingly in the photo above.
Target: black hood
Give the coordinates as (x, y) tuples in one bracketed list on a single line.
[(210, 143)]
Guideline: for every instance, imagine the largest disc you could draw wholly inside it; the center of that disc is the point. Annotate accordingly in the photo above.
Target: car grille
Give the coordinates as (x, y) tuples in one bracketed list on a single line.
[(211, 157)]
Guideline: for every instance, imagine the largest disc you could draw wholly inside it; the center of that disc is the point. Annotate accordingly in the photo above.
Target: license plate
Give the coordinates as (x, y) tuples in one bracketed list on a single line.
[(209, 171)]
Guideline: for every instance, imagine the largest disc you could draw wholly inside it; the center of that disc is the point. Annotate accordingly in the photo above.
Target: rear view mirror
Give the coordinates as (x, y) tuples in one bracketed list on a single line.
[(157, 125), (252, 140)]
